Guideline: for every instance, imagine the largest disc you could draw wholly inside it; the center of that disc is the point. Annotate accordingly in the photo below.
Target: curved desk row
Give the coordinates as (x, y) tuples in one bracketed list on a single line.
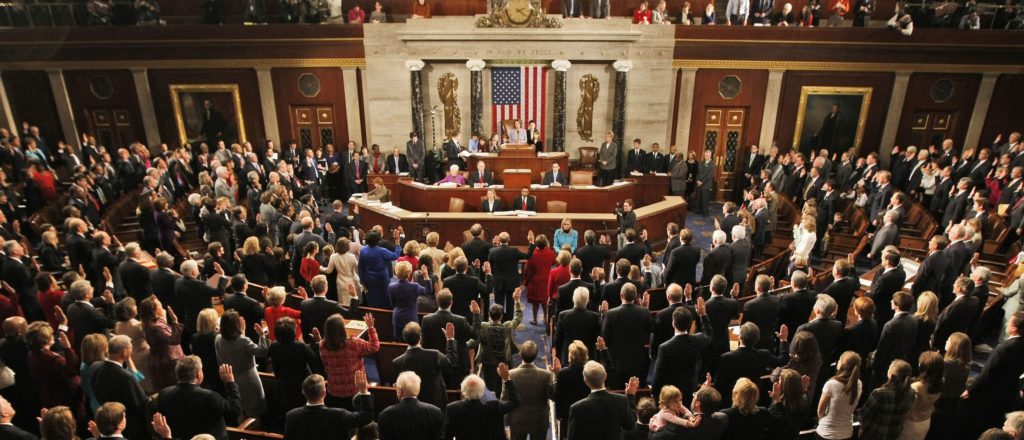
[(452, 225)]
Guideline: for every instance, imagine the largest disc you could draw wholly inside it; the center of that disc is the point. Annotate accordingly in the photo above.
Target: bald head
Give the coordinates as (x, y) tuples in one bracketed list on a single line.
[(15, 326)]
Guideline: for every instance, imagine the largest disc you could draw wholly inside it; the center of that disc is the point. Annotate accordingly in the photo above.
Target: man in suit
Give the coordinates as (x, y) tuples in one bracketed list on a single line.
[(612, 292), (957, 205), (78, 246), (504, 261), (753, 163), (85, 318), (434, 338), (602, 415), (898, 335), (21, 278), (677, 361), (191, 409), (886, 283), (931, 273), (718, 261), (162, 278), (193, 295), (721, 310), (113, 382), (957, 252), (843, 289), (979, 170), (995, 391), (355, 175), (636, 159), (555, 177), (535, 387), (705, 183), (729, 219), (748, 361), (134, 276), (471, 417), (429, 364), (396, 163), (608, 158), (525, 201), (8, 429), (826, 329), (476, 249), (957, 316), (626, 328), (633, 249), (452, 148), (319, 422), (764, 311), (678, 172), (481, 177), (465, 289), (566, 292), (577, 323), (740, 249), (247, 307), (314, 311), (940, 197), (761, 225), (307, 235), (416, 153), (980, 277), (795, 307), (663, 318), (812, 188), (592, 254), (492, 203), (656, 161), (410, 419), (887, 235)]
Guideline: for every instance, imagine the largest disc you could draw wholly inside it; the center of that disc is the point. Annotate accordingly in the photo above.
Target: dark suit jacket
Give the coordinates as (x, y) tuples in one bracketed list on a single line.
[(727, 223), (721, 310), (194, 296), (763, 311), (677, 362), (636, 160), (955, 209), (79, 251), (827, 332), (895, 342), (634, 252), (576, 324), (549, 178), (796, 308), (682, 266), (663, 330), (474, 178), (748, 362), (998, 383), (411, 419), (403, 164), (882, 289), (478, 420), (11, 432), (315, 311), (566, 290), (135, 279), (491, 207), (959, 255), (517, 203), (84, 319), (433, 336), (930, 275), (592, 256), (717, 262), (113, 383), (248, 308), (956, 317), (476, 249), (162, 281), (625, 329), (741, 251), (428, 365), (465, 289), (601, 416), (191, 409), (505, 267), (843, 291), (321, 422), (611, 292)]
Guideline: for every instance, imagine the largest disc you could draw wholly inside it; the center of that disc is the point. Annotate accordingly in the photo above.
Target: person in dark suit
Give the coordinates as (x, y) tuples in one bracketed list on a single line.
[(592, 254), (191, 410), (996, 389), (555, 177), (681, 266), (979, 169), (881, 196), (958, 253), (476, 249), (748, 361), (193, 295), (940, 197), (576, 324), (611, 292), (314, 311), (481, 177), (636, 159), (452, 147), (633, 249), (317, 421), (472, 418), (718, 261), (79, 247), (705, 404), (843, 289), (761, 233), (247, 307), (705, 183), (355, 175), (112, 382), (21, 278), (980, 277), (410, 419), (434, 338), (957, 205), (396, 163), (740, 249), (7, 428), (720, 310), (525, 201), (134, 276), (626, 328), (897, 338), (932, 271), (763, 311), (429, 364), (861, 336), (602, 415), (957, 316), (84, 317), (677, 361), (565, 291), (162, 278), (504, 261), (826, 330), (887, 282), (886, 235), (491, 203), (663, 329), (795, 307), (753, 163), (466, 289)]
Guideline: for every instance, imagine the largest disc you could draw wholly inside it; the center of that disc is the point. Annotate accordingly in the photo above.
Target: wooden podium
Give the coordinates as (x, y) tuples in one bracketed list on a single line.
[(518, 151), (516, 178)]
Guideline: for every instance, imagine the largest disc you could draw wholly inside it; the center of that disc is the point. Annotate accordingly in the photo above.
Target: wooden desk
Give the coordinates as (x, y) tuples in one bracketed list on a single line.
[(390, 182), (424, 198), (452, 225), (537, 165), (516, 178)]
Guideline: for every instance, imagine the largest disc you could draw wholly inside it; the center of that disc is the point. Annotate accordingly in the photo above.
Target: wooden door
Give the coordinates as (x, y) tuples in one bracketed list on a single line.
[(724, 129), (932, 127), (313, 126), (113, 128)]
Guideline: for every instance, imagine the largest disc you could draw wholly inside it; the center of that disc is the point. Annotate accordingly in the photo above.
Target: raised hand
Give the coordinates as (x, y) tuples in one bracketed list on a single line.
[(556, 365), (736, 290), (688, 292), (474, 307), (600, 345), (517, 294), (58, 314), (503, 371), (360, 382), (81, 271), (218, 269), (476, 263), (368, 319), (171, 317), (701, 310), (448, 247), (603, 308), (805, 380), (108, 296), (449, 331), (783, 333), (529, 236), (487, 267), (645, 301), (632, 386), (94, 430), (160, 426), (707, 380), (424, 272), (302, 292), (315, 335), (776, 392), (227, 375), (258, 328)]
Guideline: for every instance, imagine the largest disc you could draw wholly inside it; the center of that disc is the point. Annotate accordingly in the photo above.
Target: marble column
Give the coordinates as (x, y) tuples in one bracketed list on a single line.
[(619, 113), (771, 109), (892, 118), (6, 114), (265, 83), (558, 138), (146, 108), (415, 68), (352, 113), (64, 111), (476, 97), (981, 104), (685, 109)]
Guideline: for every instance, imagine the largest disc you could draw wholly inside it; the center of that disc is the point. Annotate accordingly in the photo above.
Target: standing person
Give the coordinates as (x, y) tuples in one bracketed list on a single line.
[(839, 399), (234, 348), (342, 355), (536, 273), (955, 370), (607, 157), (403, 293), (602, 415), (163, 333), (126, 311), (898, 335), (705, 182), (375, 271), (535, 387), (429, 364), (291, 359), (316, 421), (473, 418), (678, 172), (410, 418), (504, 261), (416, 152), (995, 390), (884, 412), (928, 387), (678, 358), (497, 340), (627, 328), (55, 374), (192, 410)]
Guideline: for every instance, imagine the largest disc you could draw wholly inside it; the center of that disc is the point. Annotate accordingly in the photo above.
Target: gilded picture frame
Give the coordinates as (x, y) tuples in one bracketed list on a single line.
[(187, 102), (816, 104)]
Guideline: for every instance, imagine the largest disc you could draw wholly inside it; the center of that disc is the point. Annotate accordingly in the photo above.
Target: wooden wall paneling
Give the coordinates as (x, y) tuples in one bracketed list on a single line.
[(160, 81), (1005, 110), (705, 95), (31, 100), (111, 92), (957, 106), (288, 95), (794, 81)]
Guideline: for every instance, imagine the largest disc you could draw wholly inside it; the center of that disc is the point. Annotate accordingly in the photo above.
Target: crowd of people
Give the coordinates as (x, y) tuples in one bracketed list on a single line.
[(103, 340)]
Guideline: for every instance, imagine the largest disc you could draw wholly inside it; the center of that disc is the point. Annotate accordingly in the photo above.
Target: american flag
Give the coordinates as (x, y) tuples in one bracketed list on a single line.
[(518, 93)]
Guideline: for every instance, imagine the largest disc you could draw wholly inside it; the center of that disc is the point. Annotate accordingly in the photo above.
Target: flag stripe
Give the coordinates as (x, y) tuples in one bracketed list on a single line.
[(518, 93)]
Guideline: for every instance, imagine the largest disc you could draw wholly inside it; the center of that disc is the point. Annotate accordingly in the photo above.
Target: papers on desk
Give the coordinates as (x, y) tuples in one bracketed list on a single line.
[(372, 202), (636, 173), (517, 213), (583, 186), (405, 174), (419, 184), (503, 213), (465, 153), (618, 182), (358, 195), (352, 324), (660, 174), (522, 213), (538, 186), (496, 186), (448, 185), (544, 154)]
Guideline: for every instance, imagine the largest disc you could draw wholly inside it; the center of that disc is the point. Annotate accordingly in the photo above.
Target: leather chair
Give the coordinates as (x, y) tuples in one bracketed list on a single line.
[(456, 204), (588, 158), (557, 206), (577, 177)]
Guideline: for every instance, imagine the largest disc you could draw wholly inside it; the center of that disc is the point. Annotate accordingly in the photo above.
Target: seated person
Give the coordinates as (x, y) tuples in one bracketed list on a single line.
[(533, 136), (492, 203), (517, 134), (379, 191), (555, 177), (474, 144), (481, 177), (525, 201), (785, 17), (454, 176)]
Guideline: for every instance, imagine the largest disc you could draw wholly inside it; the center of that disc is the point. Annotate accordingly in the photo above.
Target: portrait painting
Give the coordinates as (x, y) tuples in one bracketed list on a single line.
[(208, 113), (831, 118)]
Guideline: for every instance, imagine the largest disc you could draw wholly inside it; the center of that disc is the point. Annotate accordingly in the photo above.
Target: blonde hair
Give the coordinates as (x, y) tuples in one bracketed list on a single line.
[(927, 307), (402, 270), (960, 348), (744, 396), (578, 353), (669, 395), (50, 237), (563, 258), (207, 322), (433, 239), (94, 348), (275, 296), (251, 246), (453, 254), (411, 248)]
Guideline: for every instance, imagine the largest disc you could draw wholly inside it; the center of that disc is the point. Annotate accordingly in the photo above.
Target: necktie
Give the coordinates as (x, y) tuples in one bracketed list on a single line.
[(357, 170), (524, 203), (481, 178), (396, 165)]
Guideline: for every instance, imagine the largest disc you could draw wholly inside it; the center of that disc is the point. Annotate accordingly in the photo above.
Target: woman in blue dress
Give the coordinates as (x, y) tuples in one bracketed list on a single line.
[(403, 294), (375, 271)]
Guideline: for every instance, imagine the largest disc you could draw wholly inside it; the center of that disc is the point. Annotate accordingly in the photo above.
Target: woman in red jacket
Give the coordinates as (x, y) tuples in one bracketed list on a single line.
[(536, 274), (559, 276), (642, 15), (56, 375)]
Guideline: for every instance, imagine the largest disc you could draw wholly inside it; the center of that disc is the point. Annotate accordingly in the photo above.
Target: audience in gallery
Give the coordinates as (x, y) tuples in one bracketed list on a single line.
[(898, 365)]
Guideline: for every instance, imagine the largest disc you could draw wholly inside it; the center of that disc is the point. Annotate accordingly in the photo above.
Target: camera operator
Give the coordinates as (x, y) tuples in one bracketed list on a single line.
[(626, 218)]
